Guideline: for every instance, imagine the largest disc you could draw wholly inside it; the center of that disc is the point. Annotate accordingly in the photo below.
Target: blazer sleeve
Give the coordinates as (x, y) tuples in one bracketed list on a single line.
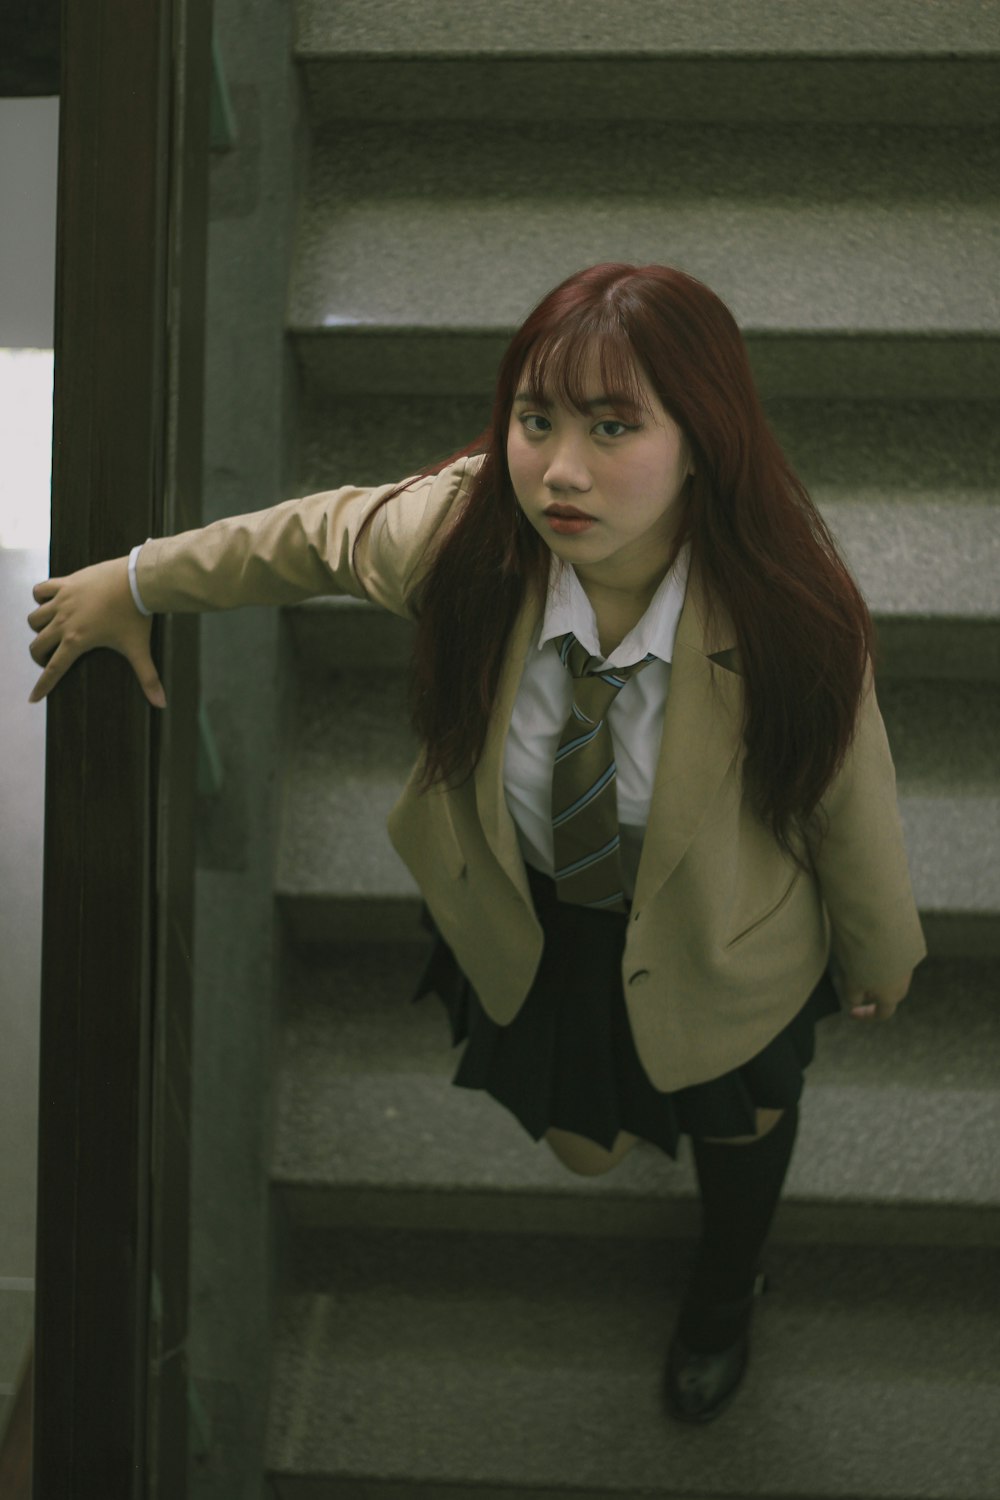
[(301, 548), (860, 859)]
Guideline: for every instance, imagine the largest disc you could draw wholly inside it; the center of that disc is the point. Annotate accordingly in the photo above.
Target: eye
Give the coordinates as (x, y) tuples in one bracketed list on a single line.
[(622, 427), (528, 417)]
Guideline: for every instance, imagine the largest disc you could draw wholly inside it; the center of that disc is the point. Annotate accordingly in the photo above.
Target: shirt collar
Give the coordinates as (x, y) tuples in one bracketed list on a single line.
[(568, 608)]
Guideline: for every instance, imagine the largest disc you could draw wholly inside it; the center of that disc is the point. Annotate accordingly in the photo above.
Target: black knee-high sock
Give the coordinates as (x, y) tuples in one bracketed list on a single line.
[(740, 1188)]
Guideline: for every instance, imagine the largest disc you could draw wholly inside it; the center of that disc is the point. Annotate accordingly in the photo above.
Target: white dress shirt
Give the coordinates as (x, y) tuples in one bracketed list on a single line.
[(542, 707), (635, 718)]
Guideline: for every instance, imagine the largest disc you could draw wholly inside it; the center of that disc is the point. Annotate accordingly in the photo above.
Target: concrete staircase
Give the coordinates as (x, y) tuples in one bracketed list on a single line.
[(458, 1315)]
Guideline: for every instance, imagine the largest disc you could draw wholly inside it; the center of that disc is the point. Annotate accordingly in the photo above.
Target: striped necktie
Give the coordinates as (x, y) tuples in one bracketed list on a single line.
[(586, 849)]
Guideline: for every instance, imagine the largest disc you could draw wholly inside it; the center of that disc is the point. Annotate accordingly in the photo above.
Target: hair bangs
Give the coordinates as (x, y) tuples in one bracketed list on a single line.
[(558, 369)]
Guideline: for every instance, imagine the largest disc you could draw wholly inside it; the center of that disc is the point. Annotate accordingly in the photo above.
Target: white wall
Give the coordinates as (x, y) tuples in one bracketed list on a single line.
[(28, 165)]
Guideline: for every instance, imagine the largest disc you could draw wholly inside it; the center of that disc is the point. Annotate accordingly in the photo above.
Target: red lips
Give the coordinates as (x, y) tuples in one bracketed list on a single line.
[(569, 511)]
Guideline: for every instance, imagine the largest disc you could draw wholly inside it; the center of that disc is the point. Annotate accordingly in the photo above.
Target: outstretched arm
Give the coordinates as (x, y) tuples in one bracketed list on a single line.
[(90, 608), (282, 555)]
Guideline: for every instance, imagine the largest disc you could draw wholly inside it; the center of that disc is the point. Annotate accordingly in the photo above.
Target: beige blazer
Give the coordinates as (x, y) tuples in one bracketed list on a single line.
[(727, 935)]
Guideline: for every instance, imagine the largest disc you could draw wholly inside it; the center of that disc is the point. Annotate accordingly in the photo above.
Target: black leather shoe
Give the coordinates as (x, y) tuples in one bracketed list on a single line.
[(700, 1386)]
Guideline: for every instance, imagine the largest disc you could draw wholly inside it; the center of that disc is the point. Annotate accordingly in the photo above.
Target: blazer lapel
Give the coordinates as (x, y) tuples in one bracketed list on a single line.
[(491, 805), (702, 735)]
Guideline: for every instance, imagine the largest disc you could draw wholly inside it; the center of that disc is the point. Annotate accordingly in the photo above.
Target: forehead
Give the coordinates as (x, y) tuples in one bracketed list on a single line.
[(582, 373)]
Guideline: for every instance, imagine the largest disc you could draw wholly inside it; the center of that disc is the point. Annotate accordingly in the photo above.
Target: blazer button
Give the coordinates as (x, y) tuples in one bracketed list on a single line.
[(639, 977)]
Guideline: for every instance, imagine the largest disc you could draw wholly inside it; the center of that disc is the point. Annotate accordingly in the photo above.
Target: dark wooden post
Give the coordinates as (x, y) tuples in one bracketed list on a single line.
[(127, 421)]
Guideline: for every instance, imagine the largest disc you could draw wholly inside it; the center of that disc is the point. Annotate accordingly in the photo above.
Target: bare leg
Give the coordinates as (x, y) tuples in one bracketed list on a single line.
[(766, 1121), (587, 1157)]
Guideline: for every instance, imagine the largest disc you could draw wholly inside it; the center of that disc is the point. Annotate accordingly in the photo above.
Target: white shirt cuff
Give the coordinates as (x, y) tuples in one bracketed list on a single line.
[(133, 558)]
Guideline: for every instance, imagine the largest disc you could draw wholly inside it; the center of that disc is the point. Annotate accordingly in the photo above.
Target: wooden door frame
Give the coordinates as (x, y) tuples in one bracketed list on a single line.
[(109, 1374)]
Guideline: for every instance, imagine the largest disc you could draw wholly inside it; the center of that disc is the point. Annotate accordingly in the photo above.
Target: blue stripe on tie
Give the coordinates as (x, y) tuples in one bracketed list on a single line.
[(588, 859), (584, 719), (582, 739), (613, 675), (569, 641), (608, 900), (588, 796)]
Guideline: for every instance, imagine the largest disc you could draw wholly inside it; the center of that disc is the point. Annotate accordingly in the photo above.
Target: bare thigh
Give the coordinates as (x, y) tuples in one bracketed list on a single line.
[(766, 1120), (587, 1157)]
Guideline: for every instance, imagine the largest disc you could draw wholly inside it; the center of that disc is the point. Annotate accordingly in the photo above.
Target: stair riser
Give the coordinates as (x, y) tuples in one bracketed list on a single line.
[(330, 1210), (920, 91), (911, 649), (356, 360), (330, 919)]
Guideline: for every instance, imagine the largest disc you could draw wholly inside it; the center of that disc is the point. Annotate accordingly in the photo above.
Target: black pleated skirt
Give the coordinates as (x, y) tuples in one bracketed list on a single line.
[(568, 1059)]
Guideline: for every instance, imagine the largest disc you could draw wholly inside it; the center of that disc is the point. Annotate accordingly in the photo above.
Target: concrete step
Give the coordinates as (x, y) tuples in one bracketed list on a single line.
[(842, 165), (816, 28), (949, 450), (370, 1132), (890, 195), (809, 235), (337, 875), (910, 487), (349, 357), (488, 1367), (927, 65), (926, 567)]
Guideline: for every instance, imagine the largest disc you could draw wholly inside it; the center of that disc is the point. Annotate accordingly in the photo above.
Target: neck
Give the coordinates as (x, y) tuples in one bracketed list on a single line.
[(625, 581)]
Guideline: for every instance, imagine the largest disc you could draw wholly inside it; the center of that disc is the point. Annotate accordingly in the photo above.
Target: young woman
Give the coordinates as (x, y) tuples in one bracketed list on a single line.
[(654, 820)]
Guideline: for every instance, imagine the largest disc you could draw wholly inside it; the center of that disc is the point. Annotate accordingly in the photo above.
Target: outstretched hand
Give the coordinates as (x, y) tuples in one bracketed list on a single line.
[(90, 608), (876, 1004)]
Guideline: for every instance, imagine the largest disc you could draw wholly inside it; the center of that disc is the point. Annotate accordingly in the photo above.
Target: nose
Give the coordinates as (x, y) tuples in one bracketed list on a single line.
[(567, 468)]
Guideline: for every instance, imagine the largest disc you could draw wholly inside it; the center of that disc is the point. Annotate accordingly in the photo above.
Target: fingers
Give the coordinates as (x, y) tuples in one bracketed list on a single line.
[(874, 1007), (45, 590), (62, 659), (89, 609), (869, 1004), (41, 616), (44, 644), (145, 670)]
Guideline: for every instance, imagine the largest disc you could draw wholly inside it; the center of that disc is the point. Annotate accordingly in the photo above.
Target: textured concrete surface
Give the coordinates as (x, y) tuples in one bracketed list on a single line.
[(536, 1363), (446, 1348), (900, 1115), (347, 767), (883, 1149), (897, 27), (863, 267), (945, 450), (352, 359), (844, 165), (932, 449), (723, 88), (353, 750), (347, 1009), (823, 229)]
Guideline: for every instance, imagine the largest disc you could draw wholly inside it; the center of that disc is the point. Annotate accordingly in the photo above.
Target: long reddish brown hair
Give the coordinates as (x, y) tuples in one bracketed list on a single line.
[(803, 632)]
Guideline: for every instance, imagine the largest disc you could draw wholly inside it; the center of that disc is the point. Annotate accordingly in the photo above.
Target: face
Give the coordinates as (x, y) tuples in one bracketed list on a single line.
[(602, 490)]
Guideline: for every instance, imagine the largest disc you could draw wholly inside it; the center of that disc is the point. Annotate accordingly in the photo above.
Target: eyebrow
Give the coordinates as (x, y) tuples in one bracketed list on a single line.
[(614, 401)]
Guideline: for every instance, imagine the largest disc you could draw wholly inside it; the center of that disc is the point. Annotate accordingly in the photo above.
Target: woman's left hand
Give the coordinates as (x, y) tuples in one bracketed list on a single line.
[(877, 1004)]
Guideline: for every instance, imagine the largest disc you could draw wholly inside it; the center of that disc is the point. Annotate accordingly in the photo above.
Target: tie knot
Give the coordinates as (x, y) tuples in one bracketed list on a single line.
[(595, 686)]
